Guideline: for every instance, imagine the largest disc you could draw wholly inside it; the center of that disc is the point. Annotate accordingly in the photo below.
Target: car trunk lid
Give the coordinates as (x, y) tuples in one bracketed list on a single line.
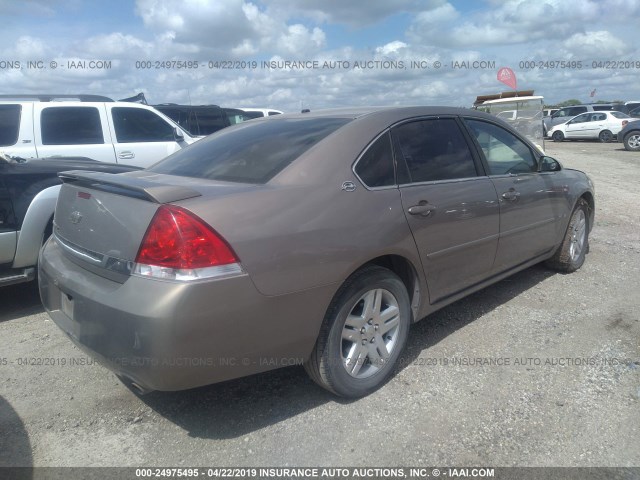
[(101, 219)]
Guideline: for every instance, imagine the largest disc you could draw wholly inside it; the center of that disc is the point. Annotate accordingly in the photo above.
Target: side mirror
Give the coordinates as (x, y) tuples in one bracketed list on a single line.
[(549, 164), (177, 135)]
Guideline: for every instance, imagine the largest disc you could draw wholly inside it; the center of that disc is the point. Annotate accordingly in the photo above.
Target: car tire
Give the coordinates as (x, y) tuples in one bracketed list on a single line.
[(605, 136), (632, 141), (373, 292), (570, 255), (557, 136)]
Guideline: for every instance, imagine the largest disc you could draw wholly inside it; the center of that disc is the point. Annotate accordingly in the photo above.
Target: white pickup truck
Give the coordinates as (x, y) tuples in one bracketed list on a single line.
[(39, 126)]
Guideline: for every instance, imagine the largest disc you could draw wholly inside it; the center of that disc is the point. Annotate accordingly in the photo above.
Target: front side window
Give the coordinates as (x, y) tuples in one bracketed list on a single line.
[(71, 126), (581, 118), (505, 153), (139, 125), (577, 110), (375, 167), (9, 124), (252, 153), (434, 149)]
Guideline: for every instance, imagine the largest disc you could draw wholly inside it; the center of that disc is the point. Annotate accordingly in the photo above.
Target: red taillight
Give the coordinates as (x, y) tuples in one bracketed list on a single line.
[(178, 239)]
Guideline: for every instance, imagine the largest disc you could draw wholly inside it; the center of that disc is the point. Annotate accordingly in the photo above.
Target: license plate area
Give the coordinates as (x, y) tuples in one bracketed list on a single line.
[(66, 304)]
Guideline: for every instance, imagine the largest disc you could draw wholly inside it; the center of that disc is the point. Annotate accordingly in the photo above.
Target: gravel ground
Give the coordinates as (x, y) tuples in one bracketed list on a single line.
[(566, 391)]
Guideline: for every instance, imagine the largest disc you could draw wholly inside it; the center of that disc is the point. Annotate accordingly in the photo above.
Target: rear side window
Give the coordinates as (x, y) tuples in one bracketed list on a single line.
[(140, 125), (433, 150), (209, 121), (201, 121), (375, 167), (619, 115), (71, 126), (9, 124), (250, 152), (250, 115)]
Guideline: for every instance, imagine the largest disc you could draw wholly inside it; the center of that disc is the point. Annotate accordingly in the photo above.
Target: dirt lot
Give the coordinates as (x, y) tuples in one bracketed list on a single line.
[(566, 391)]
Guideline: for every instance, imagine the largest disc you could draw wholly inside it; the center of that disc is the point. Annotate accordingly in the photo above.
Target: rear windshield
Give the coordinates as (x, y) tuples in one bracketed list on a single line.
[(252, 153)]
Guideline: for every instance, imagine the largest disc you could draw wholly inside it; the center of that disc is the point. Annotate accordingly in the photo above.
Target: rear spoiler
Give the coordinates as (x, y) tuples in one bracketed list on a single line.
[(130, 186)]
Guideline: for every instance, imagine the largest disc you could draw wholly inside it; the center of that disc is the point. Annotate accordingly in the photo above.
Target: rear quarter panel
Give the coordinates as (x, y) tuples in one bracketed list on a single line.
[(296, 238)]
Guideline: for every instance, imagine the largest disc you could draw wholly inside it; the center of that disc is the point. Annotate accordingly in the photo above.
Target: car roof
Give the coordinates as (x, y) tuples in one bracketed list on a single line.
[(386, 114), (352, 138)]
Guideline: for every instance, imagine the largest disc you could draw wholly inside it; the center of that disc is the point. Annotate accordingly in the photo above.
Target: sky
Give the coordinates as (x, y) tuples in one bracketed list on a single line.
[(293, 54)]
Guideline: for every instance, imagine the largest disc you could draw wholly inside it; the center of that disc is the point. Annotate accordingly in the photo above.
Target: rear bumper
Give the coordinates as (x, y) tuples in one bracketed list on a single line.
[(173, 336)]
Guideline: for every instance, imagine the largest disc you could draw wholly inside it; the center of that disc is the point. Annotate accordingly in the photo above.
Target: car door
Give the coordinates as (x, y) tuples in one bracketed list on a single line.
[(72, 130), (577, 126), (451, 207), (141, 136), (527, 213), (596, 123)]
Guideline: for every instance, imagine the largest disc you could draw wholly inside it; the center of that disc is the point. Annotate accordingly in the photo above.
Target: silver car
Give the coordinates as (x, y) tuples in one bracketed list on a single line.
[(313, 238)]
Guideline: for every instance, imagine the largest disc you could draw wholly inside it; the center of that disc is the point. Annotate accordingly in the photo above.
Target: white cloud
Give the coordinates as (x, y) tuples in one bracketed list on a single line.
[(299, 39), (30, 48), (391, 47), (233, 28), (514, 22), (597, 45), (212, 25), (347, 12), (116, 45), (505, 32)]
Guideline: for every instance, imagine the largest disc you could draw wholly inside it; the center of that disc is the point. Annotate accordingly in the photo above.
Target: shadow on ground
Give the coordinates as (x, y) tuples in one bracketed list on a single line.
[(19, 300), (237, 407), (15, 448)]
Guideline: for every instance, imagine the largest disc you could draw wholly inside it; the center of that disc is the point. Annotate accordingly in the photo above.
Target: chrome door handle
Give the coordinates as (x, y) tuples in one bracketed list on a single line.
[(126, 155), (511, 195), (423, 208)]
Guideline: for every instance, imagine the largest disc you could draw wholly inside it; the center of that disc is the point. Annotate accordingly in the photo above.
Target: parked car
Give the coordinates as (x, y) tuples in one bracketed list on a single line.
[(259, 112), (38, 126), (567, 113), (28, 194), (303, 237), (594, 125), (549, 111), (634, 112), (628, 107), (630, 136)]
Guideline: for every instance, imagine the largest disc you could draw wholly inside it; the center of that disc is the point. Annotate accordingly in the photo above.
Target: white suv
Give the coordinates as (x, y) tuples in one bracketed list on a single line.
[(37, 126), (259, 112)]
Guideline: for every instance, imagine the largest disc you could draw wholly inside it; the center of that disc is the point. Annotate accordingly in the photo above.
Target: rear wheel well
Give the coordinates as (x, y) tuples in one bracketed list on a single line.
[(588, 197), (404, 269)]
